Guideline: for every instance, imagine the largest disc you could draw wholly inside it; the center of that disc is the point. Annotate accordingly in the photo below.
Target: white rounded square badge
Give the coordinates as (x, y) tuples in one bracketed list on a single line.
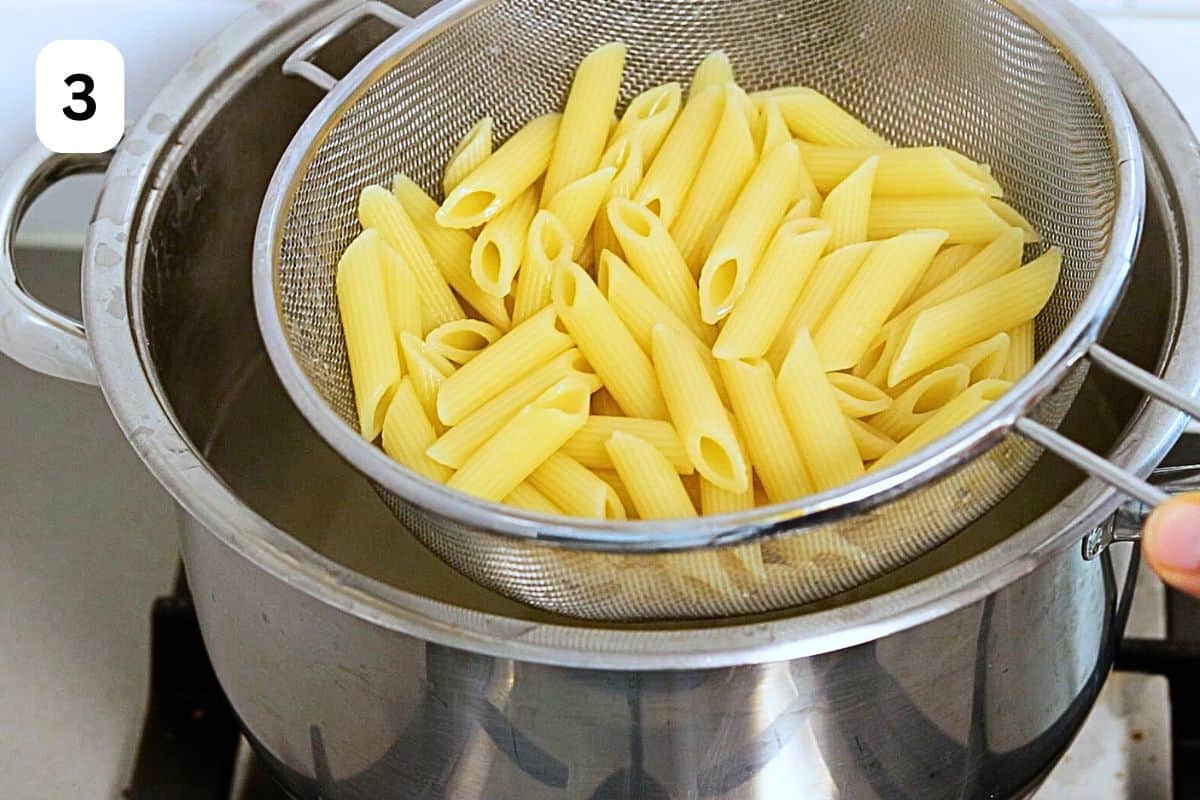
[(80, 96)]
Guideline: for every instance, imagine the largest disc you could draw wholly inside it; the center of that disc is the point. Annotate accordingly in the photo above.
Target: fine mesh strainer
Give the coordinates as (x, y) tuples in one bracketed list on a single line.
[(1002, 80)]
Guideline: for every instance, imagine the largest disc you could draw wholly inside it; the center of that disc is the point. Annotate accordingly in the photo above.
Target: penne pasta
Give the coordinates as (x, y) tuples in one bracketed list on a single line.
[(611, 477), (451, 250), (497, 253), (874, 365), (903, 171), (524, 443), (577, 204), (696, 411), (742, 240), (869, 300), (648, 119), (585, 120), (955, 413), (625, 155), (501, 179), (653, 484), (727, 164), (530, 499), (949, 261), (606, 343), (816, 421), (773, 453), (999, 305), (713, 70), (759, 314), (815, 118), (370, 338), (1014, 218), (456, 445), (670, 175), (714, 500), (966, 220), (847, 209), (872, 444), (460, 341), (427, 373), (408, 433), (1000, 257), (588, 446), (469, 153), (403, 295), (1022, 352), (603, 404), (857, 397), (575, 489), (548, 243), (922, 400), (516, 354), (985, 361), (772, 130), (378, 208)]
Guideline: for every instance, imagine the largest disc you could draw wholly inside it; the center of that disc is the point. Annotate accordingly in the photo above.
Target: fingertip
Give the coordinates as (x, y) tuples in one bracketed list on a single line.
[(1171, 542)]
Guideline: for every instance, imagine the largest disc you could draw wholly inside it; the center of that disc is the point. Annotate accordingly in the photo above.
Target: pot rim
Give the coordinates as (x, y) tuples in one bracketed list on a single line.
[(130, 198)]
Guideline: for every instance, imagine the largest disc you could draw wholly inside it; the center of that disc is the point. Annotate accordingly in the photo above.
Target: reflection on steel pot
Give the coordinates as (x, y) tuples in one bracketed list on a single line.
[(363, 667)]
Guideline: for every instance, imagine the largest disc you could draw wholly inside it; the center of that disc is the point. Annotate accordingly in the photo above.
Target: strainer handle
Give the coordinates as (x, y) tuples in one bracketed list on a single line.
[(299, 63), (32, 333)]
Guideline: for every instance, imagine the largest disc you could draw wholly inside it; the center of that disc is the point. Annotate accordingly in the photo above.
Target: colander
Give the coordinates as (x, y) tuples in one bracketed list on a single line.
[(1005, 82)]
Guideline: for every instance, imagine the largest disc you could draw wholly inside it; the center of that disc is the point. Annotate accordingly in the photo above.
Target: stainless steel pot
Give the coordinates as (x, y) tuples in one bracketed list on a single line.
[(366, 669)]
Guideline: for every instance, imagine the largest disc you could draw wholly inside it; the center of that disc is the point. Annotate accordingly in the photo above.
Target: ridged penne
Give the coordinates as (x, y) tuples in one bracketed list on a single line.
[(451, 250), (772, 450), (575, 489), (670, 175), (1000, 257), (847, 209), (759, 314), (577, 204), (625, 155), (902, 172), (967, 220), (743, 238), (696, 410), (648, 119), (872, 444), (949, 261), (611, 477), (606, 343), (585, 120), (999, 305), (653, 484), (524, 442), (1022, 352), (985, 361), (498, 182), (958, 411), (588, 446), (378, 208), (460, 341), (815, 118), (408, 432), (547, 243), (516, 354), (715, 500), (877, 360), (405, 308), (869, 300), (471, 151), (530, 499), (922, 400), (713, 70), (457, 444), (858, 397), (497, 253), (428, 373), (370, 338), (815, 419)]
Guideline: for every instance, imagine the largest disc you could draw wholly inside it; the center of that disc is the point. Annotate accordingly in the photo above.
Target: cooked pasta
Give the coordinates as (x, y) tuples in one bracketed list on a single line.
[(603, 404), (652, 483), (460, 341), (858, 397), (815, 118), (944, 264), (408, 432), (966, 220), (986, 360), (403, 294), (669, 177), (626, 156), (648, 118), (1021, 354), (577, 204), (872, 443), (428, 372), (714, 70), (902, 171), (952, 415), (469, 153), (575, 489), (715, 500), (922, 400), (547, 243), (588, 446), (530, 499), (772, 130), (497, 253), (1000, 257), (848, 208)]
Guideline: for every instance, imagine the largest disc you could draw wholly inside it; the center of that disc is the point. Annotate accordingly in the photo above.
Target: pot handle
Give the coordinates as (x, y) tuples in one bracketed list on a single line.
[(299, 63), (1126, 524), (32, 333)]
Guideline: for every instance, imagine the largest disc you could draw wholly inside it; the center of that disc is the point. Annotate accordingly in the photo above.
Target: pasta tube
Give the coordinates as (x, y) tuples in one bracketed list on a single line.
[(427, 373), (625, 155), (771, 131), (872, 443), (652, 483), (847, 209), (469, 153), (714, 70), (857, 397), (903, 171), (670, 175), (408, 432), (1000, 257), (1021, 354), (945, 264), (648, 118), (575, 489), (530, 499), (922, 401), (588, 446), (403, 293), (954, 414), (460, 341), (966, 220), (548, 242), (585, 120), (577, 203), (497, 253), (714, 500), (815, 118)]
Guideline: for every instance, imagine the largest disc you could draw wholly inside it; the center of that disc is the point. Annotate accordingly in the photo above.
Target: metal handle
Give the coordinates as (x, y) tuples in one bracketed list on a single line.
[(32, 333), (1127, 523), (299, 64)]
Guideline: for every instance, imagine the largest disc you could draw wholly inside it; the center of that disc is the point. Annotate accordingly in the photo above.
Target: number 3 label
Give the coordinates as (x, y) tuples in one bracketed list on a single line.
[(80, 96)]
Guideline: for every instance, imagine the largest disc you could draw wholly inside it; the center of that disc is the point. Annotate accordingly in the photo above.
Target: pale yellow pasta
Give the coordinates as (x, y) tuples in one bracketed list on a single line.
[(875, 363), (869, 300), (847, 209), (713, 70), (986, 360), (714, 500), (654, 257), (378, 208), (858, 397), (944, 264), (801, 209), (525, 442), (806, 188), (1014, 218), (648, 118), (829, 279), (408, 432), (428, 373), (370, 338), (872, 444), (772, 450), (922, 400), (585, 120), (403, 294), (815, 118), (497, 253), (611, 477), (746, 232), (498, 182), (451, 250), (1000, 257), (460, 341), (652, 483), (471, 151), (815, 418), (530, 499), (771, 130), (625, 155), (587, 446), (547, 243), (902, 172), (999, 305), (456, 445), (575, 489), (603, 404), (577, 204), (696, 410), (727, 164), (967, 220), (670, 175), (606, 343), (516, 354), (691, 484), (760, 312), (958, 411), (1022, 353)]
